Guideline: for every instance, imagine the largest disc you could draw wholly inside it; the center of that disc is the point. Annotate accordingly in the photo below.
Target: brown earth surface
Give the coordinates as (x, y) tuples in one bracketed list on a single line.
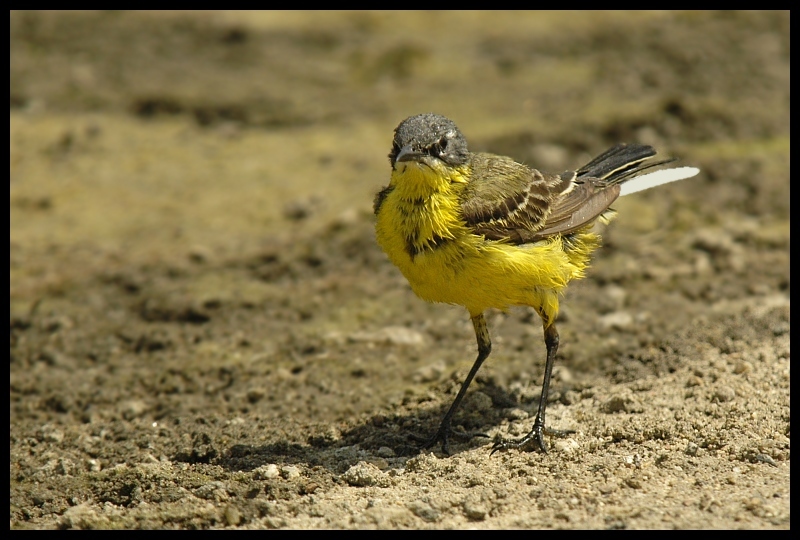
[(204, 333)]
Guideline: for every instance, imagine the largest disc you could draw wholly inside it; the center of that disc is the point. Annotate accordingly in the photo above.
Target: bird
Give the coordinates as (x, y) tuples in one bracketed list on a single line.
[(483, 231)]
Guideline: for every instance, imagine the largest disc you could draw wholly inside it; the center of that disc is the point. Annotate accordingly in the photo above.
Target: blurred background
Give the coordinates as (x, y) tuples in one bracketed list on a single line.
[(191, 228)]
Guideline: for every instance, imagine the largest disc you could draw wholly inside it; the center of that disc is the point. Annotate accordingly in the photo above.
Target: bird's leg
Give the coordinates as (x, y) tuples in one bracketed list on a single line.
[(484, 348), (536, 434)]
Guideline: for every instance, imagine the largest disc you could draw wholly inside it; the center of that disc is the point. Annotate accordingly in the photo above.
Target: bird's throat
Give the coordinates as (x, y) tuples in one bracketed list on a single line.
[(429, 204)]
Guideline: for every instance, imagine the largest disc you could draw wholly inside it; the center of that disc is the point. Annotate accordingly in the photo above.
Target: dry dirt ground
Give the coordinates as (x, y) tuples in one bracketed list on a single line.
[(204, 333)]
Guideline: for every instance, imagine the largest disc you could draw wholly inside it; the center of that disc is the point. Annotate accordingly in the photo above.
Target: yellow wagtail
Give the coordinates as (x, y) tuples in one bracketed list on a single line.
[(483, 231)]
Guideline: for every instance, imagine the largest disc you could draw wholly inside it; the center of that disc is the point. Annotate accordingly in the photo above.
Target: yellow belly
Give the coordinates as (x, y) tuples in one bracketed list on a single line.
[(420, 228), (478, 274)]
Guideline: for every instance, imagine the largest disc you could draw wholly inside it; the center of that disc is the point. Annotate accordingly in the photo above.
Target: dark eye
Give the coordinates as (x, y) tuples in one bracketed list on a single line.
[(438, 148)]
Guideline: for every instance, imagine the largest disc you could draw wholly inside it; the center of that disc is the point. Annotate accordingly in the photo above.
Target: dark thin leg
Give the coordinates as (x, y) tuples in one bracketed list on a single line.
[(484, 348), (536, 434)]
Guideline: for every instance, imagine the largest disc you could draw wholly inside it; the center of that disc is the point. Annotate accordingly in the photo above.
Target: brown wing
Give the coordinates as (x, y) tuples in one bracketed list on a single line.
[(507, 200), (579, 208)]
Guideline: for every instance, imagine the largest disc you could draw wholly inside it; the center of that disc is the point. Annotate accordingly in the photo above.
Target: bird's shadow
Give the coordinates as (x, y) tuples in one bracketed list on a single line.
[(382, 434)]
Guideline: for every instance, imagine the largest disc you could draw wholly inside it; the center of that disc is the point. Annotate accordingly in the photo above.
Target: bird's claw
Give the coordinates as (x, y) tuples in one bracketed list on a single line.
[(443, 435), (534, 437)]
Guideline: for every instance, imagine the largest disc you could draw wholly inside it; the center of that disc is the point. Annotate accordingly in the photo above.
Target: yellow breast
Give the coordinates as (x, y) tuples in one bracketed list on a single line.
[(425, 236)]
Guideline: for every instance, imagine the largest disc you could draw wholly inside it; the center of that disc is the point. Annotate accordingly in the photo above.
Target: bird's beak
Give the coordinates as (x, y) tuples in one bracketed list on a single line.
[(408, 154)]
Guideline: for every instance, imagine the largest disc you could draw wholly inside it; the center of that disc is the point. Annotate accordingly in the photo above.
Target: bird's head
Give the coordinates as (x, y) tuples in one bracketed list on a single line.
[(430, 140)]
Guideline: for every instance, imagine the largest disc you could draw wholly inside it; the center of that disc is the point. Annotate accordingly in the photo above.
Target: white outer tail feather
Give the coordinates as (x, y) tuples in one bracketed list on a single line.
[(657, 178)]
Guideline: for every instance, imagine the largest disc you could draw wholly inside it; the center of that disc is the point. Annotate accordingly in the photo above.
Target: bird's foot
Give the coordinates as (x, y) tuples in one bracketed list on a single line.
[(535, 437), (443, 435)]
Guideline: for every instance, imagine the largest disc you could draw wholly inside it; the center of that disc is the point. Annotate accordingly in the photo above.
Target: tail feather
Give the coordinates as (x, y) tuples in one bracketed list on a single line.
[(657, 178), (617, 161), (625, 162)]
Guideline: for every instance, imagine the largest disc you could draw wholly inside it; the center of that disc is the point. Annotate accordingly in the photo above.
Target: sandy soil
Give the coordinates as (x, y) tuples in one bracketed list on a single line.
[(204, 333)]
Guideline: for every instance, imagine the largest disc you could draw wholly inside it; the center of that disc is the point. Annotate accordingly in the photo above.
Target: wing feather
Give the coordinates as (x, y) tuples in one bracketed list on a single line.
[(509, 201)]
